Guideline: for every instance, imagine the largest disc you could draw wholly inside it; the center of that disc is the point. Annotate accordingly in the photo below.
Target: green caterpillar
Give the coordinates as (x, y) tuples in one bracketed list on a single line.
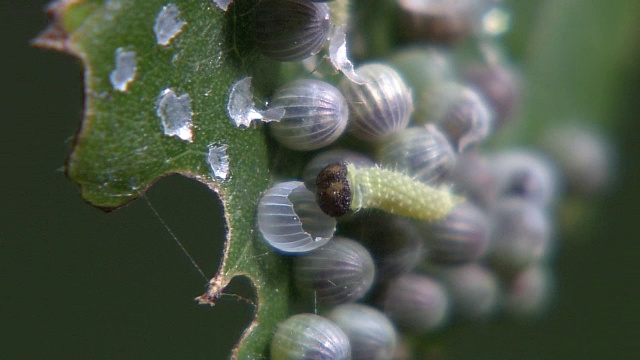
[(342, 188)]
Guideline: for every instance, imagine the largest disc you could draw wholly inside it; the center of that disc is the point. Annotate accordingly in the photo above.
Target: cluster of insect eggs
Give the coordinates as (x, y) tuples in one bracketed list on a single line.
[(419, 262)]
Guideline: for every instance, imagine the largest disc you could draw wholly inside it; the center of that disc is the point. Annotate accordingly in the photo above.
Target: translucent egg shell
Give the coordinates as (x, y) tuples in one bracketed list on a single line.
[(370, 332), (379, 107), (416, 303), (315, 114), (339, 272), (289, 30), (309, 336), (422, 152), (463, 236), (291, 221)]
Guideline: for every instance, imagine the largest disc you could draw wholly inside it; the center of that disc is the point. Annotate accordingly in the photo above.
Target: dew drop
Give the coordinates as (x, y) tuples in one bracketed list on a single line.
[(168, 24), (176, 114), (125, 70), (218, 161)]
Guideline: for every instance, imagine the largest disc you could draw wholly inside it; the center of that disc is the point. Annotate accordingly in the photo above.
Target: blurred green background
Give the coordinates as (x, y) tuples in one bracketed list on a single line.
[(78, 283)]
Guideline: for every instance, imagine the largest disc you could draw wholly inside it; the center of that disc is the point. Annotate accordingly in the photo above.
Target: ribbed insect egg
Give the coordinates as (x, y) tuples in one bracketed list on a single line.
[(339, 272), (584, 156), (291, 221), (322, 160), (462, 236), (422, 152), (460, 112), (527, 174), (473, 290), (468, 121), (379, 107), (289, 30), (315, 114), (521, 235), (474, 179), (529, 292), (423, 68), (416, 303), (440, 21), (370, 332), (395, 243), (500, 86), (309, 336)]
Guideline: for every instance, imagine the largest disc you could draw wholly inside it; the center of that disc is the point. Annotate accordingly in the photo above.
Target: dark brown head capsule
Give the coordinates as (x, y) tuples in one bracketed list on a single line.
[(333, 192), (289, 30)]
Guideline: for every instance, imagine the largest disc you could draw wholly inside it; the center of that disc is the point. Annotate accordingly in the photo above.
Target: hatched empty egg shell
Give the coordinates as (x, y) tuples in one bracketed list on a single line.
[(291, 221)]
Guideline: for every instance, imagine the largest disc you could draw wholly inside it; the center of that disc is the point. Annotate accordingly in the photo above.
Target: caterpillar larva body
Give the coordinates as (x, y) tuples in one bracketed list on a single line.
[(342, 188)]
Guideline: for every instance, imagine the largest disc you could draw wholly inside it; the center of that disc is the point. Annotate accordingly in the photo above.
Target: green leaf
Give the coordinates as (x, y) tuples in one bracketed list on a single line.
[(122, 149)]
